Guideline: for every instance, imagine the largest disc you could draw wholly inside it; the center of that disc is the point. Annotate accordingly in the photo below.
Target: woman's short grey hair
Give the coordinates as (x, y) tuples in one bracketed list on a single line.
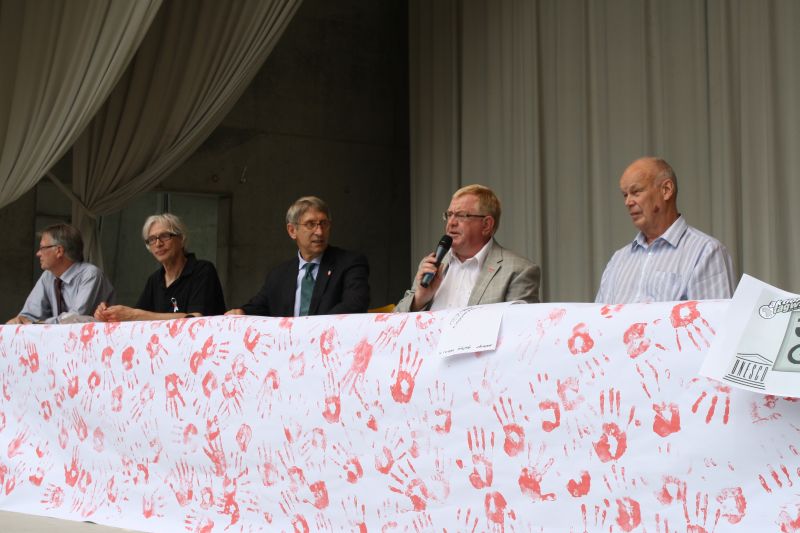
[(301, 205), (171, 222)]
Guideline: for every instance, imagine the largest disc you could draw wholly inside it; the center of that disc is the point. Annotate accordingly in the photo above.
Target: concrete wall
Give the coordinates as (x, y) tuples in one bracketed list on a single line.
[(326, 115)]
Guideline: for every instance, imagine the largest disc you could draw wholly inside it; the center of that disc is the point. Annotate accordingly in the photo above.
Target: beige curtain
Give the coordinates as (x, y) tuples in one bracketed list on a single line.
[(551, 99), (192, 66), (58, 62)]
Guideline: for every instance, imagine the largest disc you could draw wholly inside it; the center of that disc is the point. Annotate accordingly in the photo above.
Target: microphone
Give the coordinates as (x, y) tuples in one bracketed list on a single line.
[(441, 250)]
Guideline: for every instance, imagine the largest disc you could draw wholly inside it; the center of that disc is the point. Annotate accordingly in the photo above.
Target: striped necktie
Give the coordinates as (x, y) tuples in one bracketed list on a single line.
[(307, 288), (61, 306)]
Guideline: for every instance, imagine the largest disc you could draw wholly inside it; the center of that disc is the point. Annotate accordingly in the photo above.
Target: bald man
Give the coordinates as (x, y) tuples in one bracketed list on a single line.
[(668, 260)]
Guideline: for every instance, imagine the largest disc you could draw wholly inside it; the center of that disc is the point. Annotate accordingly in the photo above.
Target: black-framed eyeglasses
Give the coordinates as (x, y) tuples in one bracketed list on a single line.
[(311, 225), (48, 246), (161, 237), (461, 217)]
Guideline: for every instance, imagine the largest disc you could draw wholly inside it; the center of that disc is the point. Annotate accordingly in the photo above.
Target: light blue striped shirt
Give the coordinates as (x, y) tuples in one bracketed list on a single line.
[(683, 264)]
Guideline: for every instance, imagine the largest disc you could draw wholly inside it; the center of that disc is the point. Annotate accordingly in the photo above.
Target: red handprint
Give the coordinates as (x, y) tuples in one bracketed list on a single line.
[(288, 506), (406, 373), (476, 441), (410, 485), (332, 408), (156, 352), (362, 354), (611, 430), (530, 477), (355, 513), (635, 340), (171, 384), (53, 497), (349, 463), (391, 333), (182, 479), (684, 317), (515, 435), (468, 519), (442, 407), (723, 391), (581, 341)]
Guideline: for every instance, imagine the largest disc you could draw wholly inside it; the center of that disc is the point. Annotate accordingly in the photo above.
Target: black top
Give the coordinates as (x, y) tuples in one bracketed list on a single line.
[(197, 290), (341, 287)]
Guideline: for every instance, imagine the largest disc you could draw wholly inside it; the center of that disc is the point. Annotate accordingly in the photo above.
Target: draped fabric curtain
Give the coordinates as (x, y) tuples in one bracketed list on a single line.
[(547, 101), (192, 66), (58, 63)]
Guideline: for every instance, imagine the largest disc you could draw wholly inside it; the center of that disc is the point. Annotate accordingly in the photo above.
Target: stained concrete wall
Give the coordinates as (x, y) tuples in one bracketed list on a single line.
[(326, 115)]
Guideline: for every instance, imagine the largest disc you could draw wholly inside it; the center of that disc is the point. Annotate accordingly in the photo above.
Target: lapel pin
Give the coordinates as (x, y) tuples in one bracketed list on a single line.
[(329, 273)]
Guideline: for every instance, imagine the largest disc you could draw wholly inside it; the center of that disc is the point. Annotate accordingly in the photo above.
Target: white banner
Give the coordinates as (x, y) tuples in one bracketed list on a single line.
[(585, 417)]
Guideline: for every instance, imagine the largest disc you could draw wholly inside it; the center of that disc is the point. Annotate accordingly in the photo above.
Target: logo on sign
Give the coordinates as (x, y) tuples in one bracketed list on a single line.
[(749, 369)]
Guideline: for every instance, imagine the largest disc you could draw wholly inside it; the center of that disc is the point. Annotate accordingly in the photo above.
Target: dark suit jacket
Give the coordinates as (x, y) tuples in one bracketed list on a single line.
[(342, 286)]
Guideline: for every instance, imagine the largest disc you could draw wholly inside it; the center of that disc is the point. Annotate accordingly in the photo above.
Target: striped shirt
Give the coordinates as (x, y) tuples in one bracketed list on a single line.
[(682, 264)]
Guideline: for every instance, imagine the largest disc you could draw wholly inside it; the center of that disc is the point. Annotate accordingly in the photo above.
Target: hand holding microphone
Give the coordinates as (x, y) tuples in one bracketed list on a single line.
[(441, 250)]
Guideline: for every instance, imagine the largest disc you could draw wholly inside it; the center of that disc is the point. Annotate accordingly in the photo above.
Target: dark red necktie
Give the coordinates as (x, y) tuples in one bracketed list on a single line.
[(60, 304)]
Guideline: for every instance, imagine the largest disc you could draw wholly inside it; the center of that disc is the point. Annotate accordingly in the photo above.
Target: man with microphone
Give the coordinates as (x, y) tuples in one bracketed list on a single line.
[(476, 269)]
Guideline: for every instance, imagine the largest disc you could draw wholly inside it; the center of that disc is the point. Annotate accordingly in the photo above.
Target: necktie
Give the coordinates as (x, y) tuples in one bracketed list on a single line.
[(307, 288), (61, 306)]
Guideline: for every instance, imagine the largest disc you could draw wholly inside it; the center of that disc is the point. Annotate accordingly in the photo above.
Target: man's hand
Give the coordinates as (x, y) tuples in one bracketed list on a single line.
[(98, 313), (236, 311), (20, 320), (423, 295), (116, 313)]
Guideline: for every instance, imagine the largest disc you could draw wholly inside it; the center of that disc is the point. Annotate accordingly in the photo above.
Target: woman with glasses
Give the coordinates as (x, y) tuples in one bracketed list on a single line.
[(183, 285)]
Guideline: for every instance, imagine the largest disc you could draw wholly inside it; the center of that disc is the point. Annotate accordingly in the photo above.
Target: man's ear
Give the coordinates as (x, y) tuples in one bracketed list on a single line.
[(488, 225), (292, 231), (668, 189)]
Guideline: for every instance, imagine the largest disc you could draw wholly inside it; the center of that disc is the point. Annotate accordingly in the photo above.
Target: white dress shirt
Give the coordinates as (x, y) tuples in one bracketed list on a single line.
[(459, 279)]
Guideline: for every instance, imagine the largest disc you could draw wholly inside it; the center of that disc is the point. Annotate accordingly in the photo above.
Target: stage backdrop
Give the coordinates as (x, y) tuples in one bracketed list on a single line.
[(586, 417)]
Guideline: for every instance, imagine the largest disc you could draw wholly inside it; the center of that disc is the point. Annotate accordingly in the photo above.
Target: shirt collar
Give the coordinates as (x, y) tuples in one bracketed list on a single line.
[(188, 268), (302, 262), (672, 236), (69, 273), (480, 257)]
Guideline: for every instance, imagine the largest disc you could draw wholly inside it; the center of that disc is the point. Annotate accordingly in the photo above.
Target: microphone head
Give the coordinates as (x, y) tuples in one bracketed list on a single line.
[(446, 242)]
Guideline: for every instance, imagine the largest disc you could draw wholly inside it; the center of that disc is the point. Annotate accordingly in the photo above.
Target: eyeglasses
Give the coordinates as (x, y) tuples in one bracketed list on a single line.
[(161, 237), (311, 225), (461, 217), (48, 246)]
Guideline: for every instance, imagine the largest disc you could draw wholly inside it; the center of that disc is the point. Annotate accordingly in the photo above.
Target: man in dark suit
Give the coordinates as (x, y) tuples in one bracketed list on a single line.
[(321, 280)]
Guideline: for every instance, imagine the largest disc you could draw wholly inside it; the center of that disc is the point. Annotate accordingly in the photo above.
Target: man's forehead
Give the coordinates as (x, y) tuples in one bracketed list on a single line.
[(635, 176), (313, 214), (465, 200)]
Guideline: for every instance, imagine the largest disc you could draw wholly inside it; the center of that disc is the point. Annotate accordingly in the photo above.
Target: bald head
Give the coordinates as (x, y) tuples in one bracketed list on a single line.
[(650, 190)]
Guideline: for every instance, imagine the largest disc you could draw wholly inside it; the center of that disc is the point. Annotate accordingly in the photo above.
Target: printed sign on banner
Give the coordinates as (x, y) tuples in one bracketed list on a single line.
[(758, 348), (472, 329)]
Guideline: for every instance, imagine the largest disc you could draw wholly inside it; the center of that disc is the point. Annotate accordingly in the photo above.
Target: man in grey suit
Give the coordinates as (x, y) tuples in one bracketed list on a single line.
[(476, 270)]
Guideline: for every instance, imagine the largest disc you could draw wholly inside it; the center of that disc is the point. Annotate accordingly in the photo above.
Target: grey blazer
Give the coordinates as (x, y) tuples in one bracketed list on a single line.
[(505, 277)]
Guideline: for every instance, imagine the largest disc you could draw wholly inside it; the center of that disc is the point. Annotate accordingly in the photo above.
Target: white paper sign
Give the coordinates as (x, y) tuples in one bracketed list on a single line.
[(472, 329), (758, 348)]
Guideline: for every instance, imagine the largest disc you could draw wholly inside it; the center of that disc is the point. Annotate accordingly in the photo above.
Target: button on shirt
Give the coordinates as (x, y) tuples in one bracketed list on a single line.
[(301, 272), (682, 264), (459, 280)]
